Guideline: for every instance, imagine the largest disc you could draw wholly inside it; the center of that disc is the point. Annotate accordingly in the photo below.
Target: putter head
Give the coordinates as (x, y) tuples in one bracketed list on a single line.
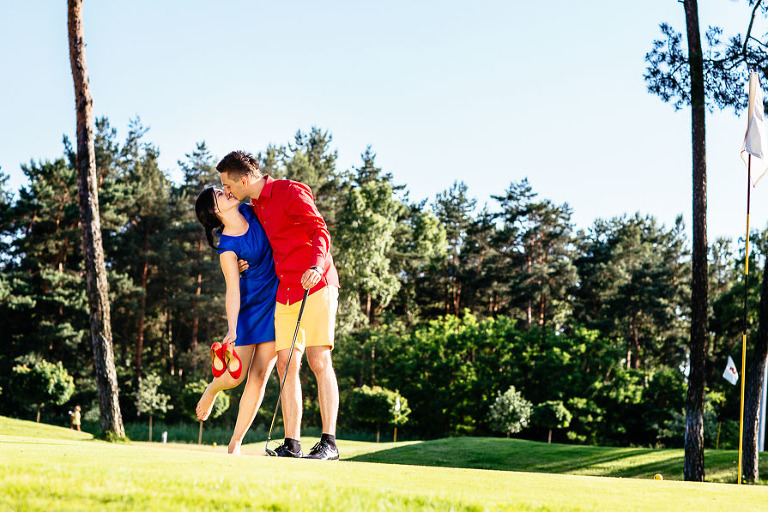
[(269, 451)]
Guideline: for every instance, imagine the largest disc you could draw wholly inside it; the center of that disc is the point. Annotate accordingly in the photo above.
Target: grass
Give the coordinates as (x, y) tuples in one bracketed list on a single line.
[(46, 468), (520, 455)]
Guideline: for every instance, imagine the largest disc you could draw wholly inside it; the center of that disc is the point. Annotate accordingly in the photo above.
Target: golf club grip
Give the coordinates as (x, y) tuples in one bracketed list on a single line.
[(288, 364)]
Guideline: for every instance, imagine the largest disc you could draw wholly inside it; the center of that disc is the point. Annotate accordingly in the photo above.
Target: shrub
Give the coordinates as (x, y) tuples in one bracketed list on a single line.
[(510, 412)]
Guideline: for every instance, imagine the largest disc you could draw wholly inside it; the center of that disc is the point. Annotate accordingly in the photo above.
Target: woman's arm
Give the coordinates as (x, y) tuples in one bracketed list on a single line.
[(229, 267)]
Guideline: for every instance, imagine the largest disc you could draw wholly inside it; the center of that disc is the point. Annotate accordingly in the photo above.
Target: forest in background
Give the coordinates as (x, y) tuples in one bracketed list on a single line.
[(446, 301)]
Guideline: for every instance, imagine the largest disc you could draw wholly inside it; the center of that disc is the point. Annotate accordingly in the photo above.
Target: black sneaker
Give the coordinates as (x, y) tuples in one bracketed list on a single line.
[(323, 451), (283, 451)]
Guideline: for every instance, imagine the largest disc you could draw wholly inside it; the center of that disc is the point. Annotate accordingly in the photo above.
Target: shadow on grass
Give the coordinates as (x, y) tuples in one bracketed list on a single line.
[(529, 456)]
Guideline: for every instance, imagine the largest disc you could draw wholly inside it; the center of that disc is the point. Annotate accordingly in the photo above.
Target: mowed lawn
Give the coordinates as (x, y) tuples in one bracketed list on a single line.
[(520, 455), (51, 468)]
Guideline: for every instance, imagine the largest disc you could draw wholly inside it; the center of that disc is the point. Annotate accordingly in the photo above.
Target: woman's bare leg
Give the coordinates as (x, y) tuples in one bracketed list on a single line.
[(226, 381), (264, 358)]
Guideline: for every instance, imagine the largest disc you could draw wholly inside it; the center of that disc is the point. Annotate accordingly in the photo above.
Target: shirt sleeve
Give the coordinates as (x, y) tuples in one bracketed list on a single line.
[(301, 206), (225, 244)]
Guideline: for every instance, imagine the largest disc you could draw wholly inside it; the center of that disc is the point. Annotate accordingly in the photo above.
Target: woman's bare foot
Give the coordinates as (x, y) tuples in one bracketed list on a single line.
[(234, 447), (204, 406)]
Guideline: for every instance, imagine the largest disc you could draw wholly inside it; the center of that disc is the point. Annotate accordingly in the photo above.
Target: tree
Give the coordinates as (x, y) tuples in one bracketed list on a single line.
[(691, 79), (365, 230), (454, 208), (510, 412), (417, 253), (149, 400), (41, 382), (376, 405), (634, 287), (96, 276), (310, 160), (199, 170), (146, 233), (754, 386), (550, 415), (535, 242)]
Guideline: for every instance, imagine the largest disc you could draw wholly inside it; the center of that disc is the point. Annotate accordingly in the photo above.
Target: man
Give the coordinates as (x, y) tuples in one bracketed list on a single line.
[(301, 248)]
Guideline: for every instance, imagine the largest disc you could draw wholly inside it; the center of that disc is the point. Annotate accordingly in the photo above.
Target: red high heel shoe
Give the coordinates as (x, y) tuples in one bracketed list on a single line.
[(234, 364), (218, 364)]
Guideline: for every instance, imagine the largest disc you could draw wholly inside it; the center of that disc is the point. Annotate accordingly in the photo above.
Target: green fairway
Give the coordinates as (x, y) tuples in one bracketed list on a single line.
[(520, 455), (44, 468)]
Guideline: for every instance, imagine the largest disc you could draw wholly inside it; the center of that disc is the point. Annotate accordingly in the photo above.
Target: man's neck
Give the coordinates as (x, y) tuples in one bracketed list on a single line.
[(255, 188)]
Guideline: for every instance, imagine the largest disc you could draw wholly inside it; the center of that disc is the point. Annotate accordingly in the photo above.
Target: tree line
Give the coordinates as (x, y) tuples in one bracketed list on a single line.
[(445, 301)]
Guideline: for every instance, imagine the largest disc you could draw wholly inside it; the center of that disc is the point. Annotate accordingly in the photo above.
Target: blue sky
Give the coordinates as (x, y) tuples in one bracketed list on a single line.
[(484, 92)]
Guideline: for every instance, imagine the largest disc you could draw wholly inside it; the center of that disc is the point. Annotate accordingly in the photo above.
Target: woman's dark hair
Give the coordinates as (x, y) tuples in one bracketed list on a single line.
[(205, 208)]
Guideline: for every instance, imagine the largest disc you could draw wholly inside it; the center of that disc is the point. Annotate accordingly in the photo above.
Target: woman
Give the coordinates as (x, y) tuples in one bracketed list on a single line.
[(250, 305)]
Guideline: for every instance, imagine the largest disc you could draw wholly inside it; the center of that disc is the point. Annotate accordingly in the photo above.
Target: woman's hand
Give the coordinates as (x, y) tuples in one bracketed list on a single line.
[(230, 337)]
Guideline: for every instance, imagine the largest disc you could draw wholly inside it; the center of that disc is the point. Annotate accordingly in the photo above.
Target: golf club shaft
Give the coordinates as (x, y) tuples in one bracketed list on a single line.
[(288, 364)]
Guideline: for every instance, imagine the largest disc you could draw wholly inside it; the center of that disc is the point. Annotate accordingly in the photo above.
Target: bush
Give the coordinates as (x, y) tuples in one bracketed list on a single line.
[(510, 413), (41, 382), (379, 406), (551, 414)]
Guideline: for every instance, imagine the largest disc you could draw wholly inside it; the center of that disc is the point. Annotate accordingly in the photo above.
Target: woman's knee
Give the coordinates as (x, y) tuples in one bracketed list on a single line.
[(226, 381)]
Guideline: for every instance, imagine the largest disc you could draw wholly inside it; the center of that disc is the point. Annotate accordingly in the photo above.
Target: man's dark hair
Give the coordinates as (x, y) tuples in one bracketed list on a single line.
[(238, 164)]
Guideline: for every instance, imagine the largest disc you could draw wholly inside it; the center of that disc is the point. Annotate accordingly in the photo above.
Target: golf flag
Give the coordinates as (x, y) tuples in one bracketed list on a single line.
[(755, 143), (730, 374), (397, 404)]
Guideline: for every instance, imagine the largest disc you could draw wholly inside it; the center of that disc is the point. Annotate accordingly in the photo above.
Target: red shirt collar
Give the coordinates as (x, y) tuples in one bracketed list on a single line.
[(266, 191)]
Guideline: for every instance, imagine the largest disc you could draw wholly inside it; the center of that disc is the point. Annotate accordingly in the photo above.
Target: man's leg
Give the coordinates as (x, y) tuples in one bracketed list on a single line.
[(319, 359), (291, 399)]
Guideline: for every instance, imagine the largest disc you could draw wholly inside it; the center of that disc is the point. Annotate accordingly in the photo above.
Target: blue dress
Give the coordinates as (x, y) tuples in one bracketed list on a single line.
[(258, 284)]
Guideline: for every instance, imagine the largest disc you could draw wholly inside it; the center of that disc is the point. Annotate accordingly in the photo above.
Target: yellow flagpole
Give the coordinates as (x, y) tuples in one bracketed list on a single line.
[(744, 333)]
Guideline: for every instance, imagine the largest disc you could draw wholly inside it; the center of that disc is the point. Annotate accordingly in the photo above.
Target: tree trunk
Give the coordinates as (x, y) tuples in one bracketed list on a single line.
[(169, 337), (456, 297), (93, 252), (635, 343), (755, 388), (528, 314), (38, 412), (549, 438), (199, 279), (150, 427), (694, 418), (368, 308), (142, 309)]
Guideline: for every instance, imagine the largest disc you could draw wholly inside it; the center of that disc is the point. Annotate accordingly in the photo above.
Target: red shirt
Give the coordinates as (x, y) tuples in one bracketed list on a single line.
[(298, 235)]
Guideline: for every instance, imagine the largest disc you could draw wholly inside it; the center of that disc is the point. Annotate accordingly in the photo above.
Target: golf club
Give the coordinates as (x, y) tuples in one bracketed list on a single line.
[(271, 452)]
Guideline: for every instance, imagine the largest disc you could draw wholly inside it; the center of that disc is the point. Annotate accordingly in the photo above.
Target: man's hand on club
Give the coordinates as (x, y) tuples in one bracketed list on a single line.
[(310, 278)]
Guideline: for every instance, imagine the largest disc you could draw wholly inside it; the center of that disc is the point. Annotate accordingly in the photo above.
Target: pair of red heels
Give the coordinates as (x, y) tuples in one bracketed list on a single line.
[(225, 359)]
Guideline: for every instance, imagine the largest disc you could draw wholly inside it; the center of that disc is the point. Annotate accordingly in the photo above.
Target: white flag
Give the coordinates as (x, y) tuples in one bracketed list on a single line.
[(755, 143), (397, 404), (730, 374)]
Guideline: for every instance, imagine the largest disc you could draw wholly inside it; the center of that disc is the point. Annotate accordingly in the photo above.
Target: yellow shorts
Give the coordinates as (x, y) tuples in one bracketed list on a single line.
[(318, 324)]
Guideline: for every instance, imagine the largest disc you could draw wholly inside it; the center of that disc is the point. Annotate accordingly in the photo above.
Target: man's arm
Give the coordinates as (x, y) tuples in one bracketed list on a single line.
[(301, 206)]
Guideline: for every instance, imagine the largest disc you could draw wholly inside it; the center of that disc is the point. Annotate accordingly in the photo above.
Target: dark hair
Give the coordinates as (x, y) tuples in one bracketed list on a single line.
[(239, 164), (205, 208)]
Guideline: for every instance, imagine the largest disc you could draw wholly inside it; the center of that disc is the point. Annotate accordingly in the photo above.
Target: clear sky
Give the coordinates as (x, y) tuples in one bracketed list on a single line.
[(487, 92)]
